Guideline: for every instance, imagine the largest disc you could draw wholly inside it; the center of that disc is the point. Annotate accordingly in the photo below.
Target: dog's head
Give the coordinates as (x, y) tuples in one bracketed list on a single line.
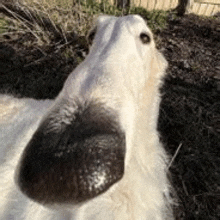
[(79, 150)]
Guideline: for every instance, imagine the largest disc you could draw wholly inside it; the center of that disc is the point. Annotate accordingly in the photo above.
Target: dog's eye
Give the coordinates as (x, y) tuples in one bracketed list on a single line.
[(91, 36), (145, 38)]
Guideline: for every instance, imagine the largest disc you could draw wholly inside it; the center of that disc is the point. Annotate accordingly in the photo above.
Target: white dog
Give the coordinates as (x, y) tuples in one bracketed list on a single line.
[(94, 152)]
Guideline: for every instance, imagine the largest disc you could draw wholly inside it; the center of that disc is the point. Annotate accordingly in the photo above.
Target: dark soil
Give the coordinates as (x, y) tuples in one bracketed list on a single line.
[(190, 114), (190, 109)]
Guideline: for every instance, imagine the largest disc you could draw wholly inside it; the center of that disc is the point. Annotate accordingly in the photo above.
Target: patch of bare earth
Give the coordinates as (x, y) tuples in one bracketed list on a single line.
[(190, 114)]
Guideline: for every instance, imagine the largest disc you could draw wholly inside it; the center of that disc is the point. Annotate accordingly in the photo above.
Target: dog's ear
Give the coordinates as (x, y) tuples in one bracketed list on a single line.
[(76, 154)]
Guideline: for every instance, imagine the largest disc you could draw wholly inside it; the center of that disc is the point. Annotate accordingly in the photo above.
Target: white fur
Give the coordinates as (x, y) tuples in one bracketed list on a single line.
[(124, 74)]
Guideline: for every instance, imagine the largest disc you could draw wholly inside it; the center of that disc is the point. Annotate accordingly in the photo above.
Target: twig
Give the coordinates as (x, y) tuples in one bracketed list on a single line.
[(174, 156)]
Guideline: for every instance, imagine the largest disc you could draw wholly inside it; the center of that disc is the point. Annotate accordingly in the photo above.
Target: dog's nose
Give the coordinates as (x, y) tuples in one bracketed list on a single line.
[(76, 162)]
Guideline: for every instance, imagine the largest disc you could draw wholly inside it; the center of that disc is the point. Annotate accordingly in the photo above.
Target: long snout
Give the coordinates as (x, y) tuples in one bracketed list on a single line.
[(73, 157)]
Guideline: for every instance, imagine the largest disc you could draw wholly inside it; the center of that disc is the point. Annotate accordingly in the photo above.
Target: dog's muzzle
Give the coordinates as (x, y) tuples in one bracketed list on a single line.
[(75, 161)]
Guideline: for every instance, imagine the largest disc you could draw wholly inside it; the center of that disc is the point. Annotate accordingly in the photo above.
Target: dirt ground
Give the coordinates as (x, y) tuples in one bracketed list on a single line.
[(190, 114), (189, 121)]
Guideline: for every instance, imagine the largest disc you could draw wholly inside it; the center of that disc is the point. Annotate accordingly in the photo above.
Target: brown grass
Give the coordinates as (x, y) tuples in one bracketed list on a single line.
[(52, 19)]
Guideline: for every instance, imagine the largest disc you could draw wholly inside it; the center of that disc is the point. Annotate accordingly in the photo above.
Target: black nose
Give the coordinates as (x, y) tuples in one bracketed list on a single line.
[(73, 157)]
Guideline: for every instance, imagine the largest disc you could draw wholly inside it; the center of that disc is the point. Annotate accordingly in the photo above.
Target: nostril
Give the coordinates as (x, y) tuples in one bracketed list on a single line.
[(73, 166)]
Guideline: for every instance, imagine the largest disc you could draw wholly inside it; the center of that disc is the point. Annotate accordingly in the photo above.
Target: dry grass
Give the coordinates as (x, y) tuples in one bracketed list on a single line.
[(65, 14), (52, 19), (43, 18)]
